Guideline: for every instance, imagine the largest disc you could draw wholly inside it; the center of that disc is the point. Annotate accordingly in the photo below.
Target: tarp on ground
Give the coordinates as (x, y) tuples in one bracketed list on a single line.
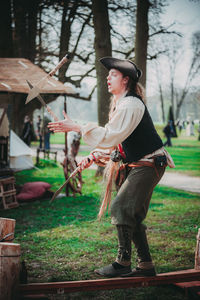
[(20, 153)]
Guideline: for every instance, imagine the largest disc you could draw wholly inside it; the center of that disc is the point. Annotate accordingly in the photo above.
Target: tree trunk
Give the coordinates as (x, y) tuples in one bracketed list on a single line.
[(20, 36), (65, 35), (6, 44), (39, 58), (162, 103), (103, 48), (141, 37), (25, 17), (172, 95), (33, 10)]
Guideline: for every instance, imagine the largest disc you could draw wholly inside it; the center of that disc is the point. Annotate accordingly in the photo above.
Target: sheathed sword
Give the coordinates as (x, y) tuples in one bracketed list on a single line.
[(78, 169), (65, 183)]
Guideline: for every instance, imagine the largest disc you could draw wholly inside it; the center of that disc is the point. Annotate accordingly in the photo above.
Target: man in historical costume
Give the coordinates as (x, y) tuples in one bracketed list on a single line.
[(136, 148)]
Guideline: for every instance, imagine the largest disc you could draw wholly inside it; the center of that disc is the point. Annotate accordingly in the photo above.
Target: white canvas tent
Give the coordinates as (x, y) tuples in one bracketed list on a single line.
[(20, 153)]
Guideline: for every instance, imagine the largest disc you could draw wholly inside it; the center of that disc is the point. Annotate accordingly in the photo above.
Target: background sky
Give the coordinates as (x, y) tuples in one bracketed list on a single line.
[(186, 14)]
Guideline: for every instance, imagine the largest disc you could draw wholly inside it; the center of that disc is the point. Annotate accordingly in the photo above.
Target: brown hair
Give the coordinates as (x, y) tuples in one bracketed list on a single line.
[(137, 88), (132, 86)]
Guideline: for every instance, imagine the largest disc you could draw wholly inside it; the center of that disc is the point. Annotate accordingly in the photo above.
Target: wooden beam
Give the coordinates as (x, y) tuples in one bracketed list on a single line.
[(108, 284)]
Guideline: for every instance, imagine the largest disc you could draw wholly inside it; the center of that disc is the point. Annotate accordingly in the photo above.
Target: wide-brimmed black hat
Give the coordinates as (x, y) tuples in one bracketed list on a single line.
[(127, 67)]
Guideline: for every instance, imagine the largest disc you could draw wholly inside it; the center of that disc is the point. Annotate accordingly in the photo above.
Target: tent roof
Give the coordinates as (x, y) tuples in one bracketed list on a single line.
[(15, 71), (17, 146)]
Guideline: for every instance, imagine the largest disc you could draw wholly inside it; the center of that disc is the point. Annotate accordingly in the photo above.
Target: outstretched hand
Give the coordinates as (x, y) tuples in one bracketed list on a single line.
[(64, 125)]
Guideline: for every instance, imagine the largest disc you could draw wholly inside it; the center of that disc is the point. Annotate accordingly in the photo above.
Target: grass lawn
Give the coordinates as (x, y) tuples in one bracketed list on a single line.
[(185, 152), (186, 155), (64, 240)]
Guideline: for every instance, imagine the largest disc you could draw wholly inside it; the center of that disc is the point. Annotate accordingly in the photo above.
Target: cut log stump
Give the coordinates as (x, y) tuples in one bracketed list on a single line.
[(9, 270)]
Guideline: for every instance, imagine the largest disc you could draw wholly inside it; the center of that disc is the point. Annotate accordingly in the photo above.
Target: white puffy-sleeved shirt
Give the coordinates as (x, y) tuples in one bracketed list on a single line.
[(124, 120)]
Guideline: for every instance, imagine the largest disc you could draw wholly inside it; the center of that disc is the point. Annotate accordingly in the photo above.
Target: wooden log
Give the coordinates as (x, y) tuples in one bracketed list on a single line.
[(107, 284), (7, 229), (197, 252), (9, 270)]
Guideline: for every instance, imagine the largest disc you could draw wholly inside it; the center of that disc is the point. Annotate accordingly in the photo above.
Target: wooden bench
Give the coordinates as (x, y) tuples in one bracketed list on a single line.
[(46, 154)]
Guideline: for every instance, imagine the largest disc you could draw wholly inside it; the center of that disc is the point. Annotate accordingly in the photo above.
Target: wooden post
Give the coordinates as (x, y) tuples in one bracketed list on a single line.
[(197, 252), (7, 229), (9, 270), (9, 260)]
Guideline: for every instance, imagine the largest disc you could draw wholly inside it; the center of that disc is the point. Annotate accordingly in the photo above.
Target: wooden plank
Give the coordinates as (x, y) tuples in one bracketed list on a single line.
[(190, 288), (186, 285), (107, 284)]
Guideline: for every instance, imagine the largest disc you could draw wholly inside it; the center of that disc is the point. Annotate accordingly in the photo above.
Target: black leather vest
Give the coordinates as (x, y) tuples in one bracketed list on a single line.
[(143, 140)]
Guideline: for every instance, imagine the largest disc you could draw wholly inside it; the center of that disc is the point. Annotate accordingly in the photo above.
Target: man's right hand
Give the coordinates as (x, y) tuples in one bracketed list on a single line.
[(86, 162)]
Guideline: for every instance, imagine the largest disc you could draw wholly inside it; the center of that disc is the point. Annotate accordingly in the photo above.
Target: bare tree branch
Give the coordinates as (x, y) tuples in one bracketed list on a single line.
[(117, 34), (80, 34), (84, 59), (126, 54), (77, 83), (78, 96), (164, 30), (156, 55)]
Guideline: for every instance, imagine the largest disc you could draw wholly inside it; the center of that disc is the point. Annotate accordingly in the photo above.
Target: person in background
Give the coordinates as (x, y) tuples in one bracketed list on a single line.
[(135, 148), (39, 131), (168, 133), (47, 133), (27, 131), (179, 124), (198, 129)]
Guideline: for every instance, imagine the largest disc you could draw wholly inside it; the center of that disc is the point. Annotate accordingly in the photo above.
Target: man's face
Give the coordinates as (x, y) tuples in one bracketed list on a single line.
[(116, 82)]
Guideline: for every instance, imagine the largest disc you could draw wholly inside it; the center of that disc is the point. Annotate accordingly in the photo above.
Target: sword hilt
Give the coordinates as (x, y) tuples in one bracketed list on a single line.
[(59, 65)]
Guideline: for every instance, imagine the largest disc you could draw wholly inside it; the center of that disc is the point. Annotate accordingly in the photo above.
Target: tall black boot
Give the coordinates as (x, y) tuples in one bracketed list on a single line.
[(122, 265), (145, 266), (139, 239), (124, 233)]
